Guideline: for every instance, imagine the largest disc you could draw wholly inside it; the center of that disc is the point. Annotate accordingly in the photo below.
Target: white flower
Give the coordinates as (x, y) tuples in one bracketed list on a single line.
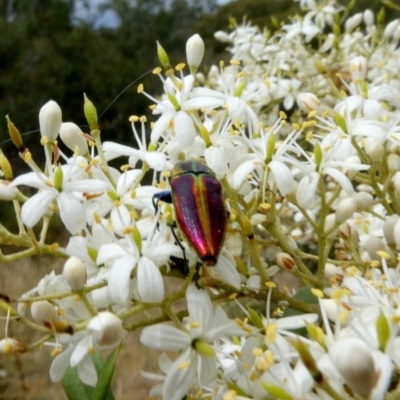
[(123, 256), (156, 159), (305, 26), (104, 331), (66, 181), (197, 357)]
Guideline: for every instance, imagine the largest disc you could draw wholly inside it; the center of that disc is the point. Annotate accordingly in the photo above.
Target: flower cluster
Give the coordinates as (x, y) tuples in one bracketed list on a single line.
[(296, 144)]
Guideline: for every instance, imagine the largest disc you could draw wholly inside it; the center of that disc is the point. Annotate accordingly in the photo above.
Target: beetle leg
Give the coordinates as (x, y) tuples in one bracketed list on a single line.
[(197, 276), (178, 242), (162, 196)]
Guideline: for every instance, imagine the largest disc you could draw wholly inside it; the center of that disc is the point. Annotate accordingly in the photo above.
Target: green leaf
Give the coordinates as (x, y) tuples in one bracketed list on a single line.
[(255, 318), (102, 390), (383, 331), (74, 388), (276, 391), (340, 122), (305, 295), (98, 361)]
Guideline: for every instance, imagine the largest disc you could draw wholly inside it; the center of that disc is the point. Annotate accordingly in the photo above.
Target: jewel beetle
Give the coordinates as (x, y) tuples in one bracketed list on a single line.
[(200, 212)]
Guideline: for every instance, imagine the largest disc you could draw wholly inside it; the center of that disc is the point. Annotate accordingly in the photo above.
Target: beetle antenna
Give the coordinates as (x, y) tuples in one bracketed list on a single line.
[(123, 91)]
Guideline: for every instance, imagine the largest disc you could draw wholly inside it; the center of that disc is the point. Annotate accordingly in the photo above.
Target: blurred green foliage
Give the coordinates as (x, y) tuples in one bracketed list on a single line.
[(45, 56)]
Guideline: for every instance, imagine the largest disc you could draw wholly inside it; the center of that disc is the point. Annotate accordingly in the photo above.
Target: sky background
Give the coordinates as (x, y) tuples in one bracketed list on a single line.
[(108, 18)]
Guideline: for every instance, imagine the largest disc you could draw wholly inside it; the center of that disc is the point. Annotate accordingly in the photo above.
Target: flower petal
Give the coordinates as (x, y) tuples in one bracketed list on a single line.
[(150, 282), (34, 209), (119, 279), (283, 176), (72, 212), (341, 179), (165, 337), (200, 309), (180, 379), (80, 351), (243, 171), (226, 268), (87, 372), (184, 129), (60, 365)]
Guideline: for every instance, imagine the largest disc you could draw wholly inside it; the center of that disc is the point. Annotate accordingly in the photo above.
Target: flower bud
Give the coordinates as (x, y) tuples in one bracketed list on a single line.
[(221, 36), (15, 135), (50, 120), (329, 224), (358, 68), (90, 113), (201, 78), (194, 52), (7, 192), (285, 262), (388, 229), (353, 22), (74, 273), (375, 151), (332, 271), (345, 210), (390, 28), (393, 162), (163, 58), (308, 102), (368, 17), (363, 200), (355, 363), (11, 346), (72, 137), (106, 329)]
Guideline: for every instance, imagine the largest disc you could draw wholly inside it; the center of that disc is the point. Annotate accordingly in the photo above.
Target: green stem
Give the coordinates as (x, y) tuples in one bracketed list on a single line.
[(58, 296), (38, 343), (17, 209), (96, 135), (322, 237), (332, 392), (87, 303)]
